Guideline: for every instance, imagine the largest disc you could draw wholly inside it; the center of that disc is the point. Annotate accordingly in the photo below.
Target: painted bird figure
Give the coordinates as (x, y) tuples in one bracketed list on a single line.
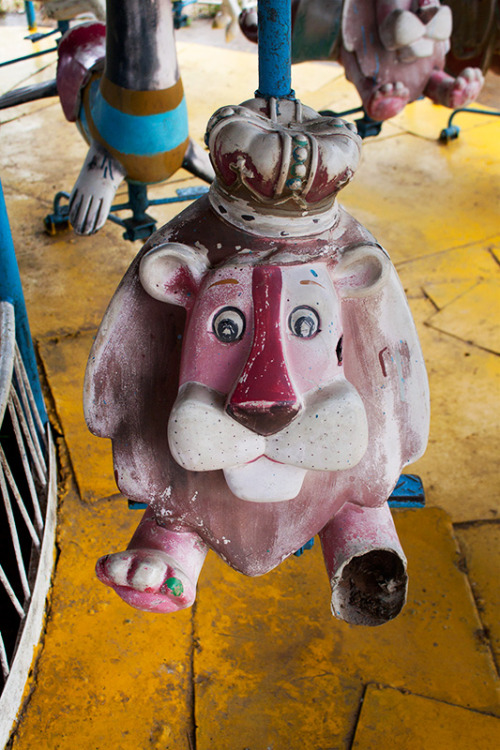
[(120, 83)]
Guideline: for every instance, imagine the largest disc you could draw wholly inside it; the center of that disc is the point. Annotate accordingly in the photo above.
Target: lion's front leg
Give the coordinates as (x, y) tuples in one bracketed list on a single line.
[(366, 565), (159, 570)]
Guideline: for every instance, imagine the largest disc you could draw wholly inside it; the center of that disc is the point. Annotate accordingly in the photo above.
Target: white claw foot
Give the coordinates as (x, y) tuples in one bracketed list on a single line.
[(94, 190), (387, 101), (147, 579)]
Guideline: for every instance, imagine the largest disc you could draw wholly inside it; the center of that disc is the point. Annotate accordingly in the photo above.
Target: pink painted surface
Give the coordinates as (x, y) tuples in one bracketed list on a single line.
[(394, 51), (79, 50), (159, 570), (264, 398), (214, 326), (355, 530), (355, 541), (202, 353)]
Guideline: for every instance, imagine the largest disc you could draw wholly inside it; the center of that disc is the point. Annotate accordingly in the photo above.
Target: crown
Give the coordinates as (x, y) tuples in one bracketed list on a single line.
[(279, 165)]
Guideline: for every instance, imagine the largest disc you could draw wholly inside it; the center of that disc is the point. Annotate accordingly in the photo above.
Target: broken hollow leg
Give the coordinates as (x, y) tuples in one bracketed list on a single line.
[(366, 565), (159, 570)]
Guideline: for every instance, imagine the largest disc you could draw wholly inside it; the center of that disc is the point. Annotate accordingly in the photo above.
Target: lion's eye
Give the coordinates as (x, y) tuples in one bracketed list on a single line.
[(304, 322), (229, 325)]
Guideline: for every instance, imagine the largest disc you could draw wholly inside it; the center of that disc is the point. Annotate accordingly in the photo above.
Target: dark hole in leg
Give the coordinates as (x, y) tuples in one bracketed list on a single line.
[(373, 588)]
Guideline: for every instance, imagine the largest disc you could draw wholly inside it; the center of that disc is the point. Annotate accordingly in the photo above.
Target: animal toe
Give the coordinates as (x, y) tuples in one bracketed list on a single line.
[(148, 574), (113, 569)]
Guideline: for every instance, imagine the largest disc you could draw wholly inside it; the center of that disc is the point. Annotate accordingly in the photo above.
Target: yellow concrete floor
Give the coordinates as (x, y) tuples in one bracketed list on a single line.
[(260, 663)]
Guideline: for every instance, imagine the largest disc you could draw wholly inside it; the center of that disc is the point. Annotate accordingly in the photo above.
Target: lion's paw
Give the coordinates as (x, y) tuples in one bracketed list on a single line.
[(387, 101), (147, 579), (464, 89), (455, 92)]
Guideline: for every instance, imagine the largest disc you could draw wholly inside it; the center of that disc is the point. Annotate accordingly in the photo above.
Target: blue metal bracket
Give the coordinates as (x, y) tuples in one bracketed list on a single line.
[(62, 27), (180, 18), (306, 546), (133, 505), (27, 57), (140, 225), (451, 132), (366, 126), (408, 492)]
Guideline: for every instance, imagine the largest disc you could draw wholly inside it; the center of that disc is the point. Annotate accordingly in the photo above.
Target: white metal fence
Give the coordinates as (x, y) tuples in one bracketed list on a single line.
[(28, 490)]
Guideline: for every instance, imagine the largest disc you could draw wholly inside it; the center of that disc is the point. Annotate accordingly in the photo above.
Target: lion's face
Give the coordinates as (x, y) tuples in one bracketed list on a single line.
[(262, 394)]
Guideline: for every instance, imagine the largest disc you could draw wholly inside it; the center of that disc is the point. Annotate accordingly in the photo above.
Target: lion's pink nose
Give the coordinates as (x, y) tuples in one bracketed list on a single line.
[(264, 399)]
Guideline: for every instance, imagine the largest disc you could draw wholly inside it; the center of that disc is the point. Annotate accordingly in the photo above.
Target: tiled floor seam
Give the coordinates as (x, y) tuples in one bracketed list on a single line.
[(480, 240), (65, 466), (404, 691), (476, 522), (428, 323), (192, 733), (55, 337), (48, 395), (352, 735), (485, 634), (7, 187), (65, 469), (429, 299)]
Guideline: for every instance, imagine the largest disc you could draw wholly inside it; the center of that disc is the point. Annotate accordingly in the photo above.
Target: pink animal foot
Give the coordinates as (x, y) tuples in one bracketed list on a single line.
[(387, 101), (464, 89), (147, 579), (455, 92)]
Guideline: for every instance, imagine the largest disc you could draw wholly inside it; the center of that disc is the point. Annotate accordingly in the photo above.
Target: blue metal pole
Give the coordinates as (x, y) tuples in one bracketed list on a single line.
[(29, 7), (11, 291), (275, 43)]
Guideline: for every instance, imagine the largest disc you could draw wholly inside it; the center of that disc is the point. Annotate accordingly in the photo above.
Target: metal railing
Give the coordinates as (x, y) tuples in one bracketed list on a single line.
[(27, 522), (28, 491)]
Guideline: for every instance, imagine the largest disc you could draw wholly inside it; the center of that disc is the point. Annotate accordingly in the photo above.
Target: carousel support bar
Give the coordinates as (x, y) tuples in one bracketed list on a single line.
[(275, 38), (29, 7), (11, 291)]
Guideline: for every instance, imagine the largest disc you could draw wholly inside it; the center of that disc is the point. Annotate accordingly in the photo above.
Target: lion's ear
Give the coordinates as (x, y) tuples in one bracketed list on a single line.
[(362, 271), (172, 273)]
